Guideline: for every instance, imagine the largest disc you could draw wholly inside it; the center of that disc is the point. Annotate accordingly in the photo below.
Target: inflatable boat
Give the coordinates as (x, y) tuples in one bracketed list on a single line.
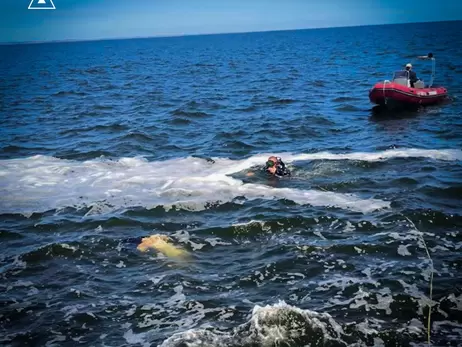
[(398, 92)]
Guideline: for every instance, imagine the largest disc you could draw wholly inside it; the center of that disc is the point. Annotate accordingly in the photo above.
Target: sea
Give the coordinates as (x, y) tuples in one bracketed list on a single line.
[(106, 143)]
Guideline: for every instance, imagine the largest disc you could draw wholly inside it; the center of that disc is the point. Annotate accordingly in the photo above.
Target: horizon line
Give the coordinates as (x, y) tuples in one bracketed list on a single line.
[(214, 33)]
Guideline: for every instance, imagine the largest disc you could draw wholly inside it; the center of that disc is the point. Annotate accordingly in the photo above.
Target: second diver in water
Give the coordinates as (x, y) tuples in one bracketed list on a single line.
[(275, 166)]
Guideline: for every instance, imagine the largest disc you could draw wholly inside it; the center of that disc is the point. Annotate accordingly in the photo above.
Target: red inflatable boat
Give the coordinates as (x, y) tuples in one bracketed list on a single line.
[(398, 92)]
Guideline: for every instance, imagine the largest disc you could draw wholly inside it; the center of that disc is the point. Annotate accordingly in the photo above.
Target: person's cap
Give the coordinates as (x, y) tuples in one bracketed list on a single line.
[(408, 65)]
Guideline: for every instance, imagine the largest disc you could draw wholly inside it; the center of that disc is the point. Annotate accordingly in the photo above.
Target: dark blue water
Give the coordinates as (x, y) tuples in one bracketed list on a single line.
[(103, 143)]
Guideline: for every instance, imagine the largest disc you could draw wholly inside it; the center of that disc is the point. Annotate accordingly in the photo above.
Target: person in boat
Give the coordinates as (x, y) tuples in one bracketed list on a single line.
[(412, 75), (276, 167)]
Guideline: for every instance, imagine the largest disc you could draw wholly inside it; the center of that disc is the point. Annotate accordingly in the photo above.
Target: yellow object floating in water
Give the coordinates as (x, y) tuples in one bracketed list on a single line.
[(160, 243)]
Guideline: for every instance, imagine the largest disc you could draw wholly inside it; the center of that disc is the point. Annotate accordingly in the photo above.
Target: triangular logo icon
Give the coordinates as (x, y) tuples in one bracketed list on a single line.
[(41, 5)]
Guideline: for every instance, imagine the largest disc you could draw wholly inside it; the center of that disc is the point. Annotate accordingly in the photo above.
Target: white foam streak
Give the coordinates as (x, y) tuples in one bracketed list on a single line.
[(443, 154), (257, 160), (268, 326), (42, 183)]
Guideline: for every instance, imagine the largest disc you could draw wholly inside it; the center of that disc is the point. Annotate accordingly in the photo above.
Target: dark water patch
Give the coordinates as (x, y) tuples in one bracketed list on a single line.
[(204, 65), (250, 108), (190, 114), (7, 235), (272, 100), (83, 83), (404, 181), (357, 184), (106, 128), (155, 212), (267, 132), (137, 136), (234, 144), (449, 135), (386, 147), (74, 71), (203, 104), (347, 108), (318, 120), (69, 93), (95, 70), (19, 150), (49, 252), (231, 134), (180, 121), (303, 131), (428, 168), (345, 99), (157, 93), (363, 249), (103, 107), (454, 192), (166, 104), (131, 148), (166, 149), (318, 83), (282, 101), (380, 113), (38, 100), (251, 91), (83, 155), (95, 225), (430, 219)]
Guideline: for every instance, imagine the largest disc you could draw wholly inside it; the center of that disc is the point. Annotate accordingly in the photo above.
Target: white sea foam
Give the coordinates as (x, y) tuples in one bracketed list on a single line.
[(136, 339), (441, 154), (403, 251), (41, 183), (269, 325)]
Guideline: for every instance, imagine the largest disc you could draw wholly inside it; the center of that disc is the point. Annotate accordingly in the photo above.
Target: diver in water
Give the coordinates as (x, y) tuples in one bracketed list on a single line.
[(276, 167), (273, 166)]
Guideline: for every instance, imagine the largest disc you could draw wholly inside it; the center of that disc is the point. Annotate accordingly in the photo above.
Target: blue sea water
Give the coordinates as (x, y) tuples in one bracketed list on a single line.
[(106, 142)]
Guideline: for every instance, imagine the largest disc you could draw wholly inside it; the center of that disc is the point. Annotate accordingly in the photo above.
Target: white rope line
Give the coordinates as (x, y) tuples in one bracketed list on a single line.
[(431, 281), (433, 73)]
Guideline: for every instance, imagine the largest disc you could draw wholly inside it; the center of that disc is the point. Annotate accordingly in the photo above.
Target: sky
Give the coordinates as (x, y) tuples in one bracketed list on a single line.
[(99, 19)]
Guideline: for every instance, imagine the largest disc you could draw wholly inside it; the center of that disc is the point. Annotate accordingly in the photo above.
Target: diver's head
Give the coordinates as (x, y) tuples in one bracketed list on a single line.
[(272, 161), (273, 164)]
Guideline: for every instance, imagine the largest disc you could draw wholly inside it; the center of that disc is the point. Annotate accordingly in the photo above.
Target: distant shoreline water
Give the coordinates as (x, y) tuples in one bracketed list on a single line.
[(212, 34)]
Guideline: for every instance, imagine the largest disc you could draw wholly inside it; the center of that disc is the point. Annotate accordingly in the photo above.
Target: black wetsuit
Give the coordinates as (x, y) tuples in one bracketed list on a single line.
[(412, 78)]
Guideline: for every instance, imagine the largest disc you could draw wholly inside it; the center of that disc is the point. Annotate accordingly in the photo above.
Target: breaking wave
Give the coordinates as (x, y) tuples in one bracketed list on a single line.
[(43, 183)]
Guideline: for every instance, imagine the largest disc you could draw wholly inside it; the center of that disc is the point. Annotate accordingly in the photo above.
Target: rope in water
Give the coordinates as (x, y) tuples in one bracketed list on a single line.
[(431, 281), (431, 277)]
